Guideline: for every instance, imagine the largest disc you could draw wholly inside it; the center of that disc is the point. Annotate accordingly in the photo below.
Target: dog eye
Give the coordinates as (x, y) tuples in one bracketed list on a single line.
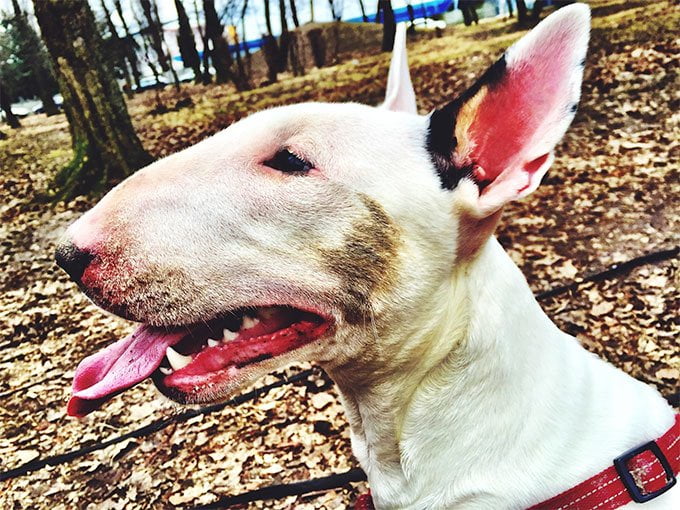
[(286, 161)]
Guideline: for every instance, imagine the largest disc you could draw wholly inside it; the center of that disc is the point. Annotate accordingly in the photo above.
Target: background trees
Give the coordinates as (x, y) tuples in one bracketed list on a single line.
[(105, 144)]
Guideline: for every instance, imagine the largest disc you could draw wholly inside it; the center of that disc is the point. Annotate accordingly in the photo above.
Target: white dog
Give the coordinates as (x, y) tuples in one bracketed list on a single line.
[(361, 239)]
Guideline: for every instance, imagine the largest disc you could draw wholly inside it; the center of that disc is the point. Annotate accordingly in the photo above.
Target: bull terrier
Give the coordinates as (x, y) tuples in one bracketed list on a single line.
[(361, 238)]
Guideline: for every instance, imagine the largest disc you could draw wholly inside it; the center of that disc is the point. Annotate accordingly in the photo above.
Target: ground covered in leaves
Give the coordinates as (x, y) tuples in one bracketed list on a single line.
[(611, 195)]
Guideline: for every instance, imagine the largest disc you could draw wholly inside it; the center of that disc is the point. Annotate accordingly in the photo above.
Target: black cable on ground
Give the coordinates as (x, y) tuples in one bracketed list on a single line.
[(152, 427), (289, 489), (30, 385), (613, 270)]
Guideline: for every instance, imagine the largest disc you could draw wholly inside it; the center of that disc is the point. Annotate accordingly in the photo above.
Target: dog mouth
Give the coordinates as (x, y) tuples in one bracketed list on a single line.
[(190, 364)]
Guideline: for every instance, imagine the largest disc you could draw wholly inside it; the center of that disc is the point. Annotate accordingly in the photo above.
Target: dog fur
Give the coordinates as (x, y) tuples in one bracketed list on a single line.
[(460, 392)]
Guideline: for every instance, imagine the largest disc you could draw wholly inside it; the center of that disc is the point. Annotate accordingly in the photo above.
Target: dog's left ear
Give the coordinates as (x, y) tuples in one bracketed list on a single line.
[(496, 141), (400, 96)]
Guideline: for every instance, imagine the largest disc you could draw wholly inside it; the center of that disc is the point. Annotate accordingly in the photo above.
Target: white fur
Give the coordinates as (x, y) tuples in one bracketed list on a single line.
[(399, 95), (460, 392)]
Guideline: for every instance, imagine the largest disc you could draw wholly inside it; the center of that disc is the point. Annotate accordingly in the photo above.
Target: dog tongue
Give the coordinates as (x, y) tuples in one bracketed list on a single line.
[(118, 367)]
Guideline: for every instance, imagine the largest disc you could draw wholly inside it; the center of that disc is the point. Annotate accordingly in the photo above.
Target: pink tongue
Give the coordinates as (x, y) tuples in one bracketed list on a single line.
[(118, 367)]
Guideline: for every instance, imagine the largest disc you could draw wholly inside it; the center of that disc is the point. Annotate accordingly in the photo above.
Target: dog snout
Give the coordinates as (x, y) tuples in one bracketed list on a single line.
[(73, 260)]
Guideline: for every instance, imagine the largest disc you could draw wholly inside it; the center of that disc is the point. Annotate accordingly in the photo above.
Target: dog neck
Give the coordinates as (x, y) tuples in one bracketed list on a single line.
[(430, 420)]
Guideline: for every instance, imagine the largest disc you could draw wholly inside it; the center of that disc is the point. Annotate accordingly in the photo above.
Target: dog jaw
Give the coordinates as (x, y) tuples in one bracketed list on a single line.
[(212, 229)]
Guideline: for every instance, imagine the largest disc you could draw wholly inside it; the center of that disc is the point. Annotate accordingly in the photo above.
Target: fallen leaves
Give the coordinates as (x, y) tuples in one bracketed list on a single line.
[(611, 195)]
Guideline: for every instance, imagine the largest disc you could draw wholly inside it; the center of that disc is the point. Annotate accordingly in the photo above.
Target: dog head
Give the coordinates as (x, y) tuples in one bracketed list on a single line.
[(309, 232)]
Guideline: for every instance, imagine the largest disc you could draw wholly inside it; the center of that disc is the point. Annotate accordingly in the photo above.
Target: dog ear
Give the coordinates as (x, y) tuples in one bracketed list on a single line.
[(496, 141), (399, 96)]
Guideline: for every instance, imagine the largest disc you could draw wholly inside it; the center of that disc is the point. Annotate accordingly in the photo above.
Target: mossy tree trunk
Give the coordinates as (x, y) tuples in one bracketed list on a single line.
[(105, 144)]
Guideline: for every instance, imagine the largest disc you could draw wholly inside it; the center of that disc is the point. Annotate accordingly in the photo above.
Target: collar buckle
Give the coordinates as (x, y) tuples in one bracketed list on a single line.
[(639, 494)]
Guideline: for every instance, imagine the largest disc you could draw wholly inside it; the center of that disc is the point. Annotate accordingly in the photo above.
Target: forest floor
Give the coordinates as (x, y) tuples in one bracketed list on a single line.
[(611, 195)]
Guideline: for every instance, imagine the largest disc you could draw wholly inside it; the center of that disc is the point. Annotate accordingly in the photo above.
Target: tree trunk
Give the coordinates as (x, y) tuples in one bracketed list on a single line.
[(164, 45), (146, 50), (284, 39), (295, 54), (389, 24), (6, 106), (117, 46), (269, 46), (318, 46), (130, 46), (271, 57), (522, 16), (363, 11), (154, 32), (104, 141), (186, 41), (30, 49), (509, 4), (536, 11), (240, 67), (220, 54), (293, 13), (206, 77), (268, 17)]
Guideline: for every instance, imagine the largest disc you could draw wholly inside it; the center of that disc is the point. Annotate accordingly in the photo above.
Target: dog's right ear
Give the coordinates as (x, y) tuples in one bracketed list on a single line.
[(400, 96), (496, 141)]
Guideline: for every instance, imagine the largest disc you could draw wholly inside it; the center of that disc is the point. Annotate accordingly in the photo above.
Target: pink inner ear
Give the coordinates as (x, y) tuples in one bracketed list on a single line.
[(531, 168), (526, 109)]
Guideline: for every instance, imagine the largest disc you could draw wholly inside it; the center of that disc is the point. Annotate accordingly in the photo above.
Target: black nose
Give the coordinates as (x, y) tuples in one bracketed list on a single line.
[(73, 260)]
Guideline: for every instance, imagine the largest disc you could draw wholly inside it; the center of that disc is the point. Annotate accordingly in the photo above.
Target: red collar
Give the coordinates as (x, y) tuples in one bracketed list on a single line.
[(640, 474)]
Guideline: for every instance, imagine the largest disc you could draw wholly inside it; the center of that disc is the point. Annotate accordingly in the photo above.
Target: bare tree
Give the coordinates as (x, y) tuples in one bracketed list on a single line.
[(155, 34), (186, 42), (294, 14), (30, 48), (130, 45), (6, 106), (206, 77), (270, 47), (284, 38), (336, 9), (146, 48), (363, 11), (389, 24), (117, 47), (220, 54), (244, 10), (105, 144), (536, 10), (166, 48), (522, 16)]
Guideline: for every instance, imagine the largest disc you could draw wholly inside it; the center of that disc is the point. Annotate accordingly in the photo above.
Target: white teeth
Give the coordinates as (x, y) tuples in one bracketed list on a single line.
[(229, 335), (213, 343), (249, 322), (177, 361), (166, 371)]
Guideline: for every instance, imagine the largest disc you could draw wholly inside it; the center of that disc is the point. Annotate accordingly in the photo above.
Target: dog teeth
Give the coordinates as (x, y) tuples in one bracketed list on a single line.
[(249, 322), (166, 371), (177, 361), (213, 343), (229, 335)]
